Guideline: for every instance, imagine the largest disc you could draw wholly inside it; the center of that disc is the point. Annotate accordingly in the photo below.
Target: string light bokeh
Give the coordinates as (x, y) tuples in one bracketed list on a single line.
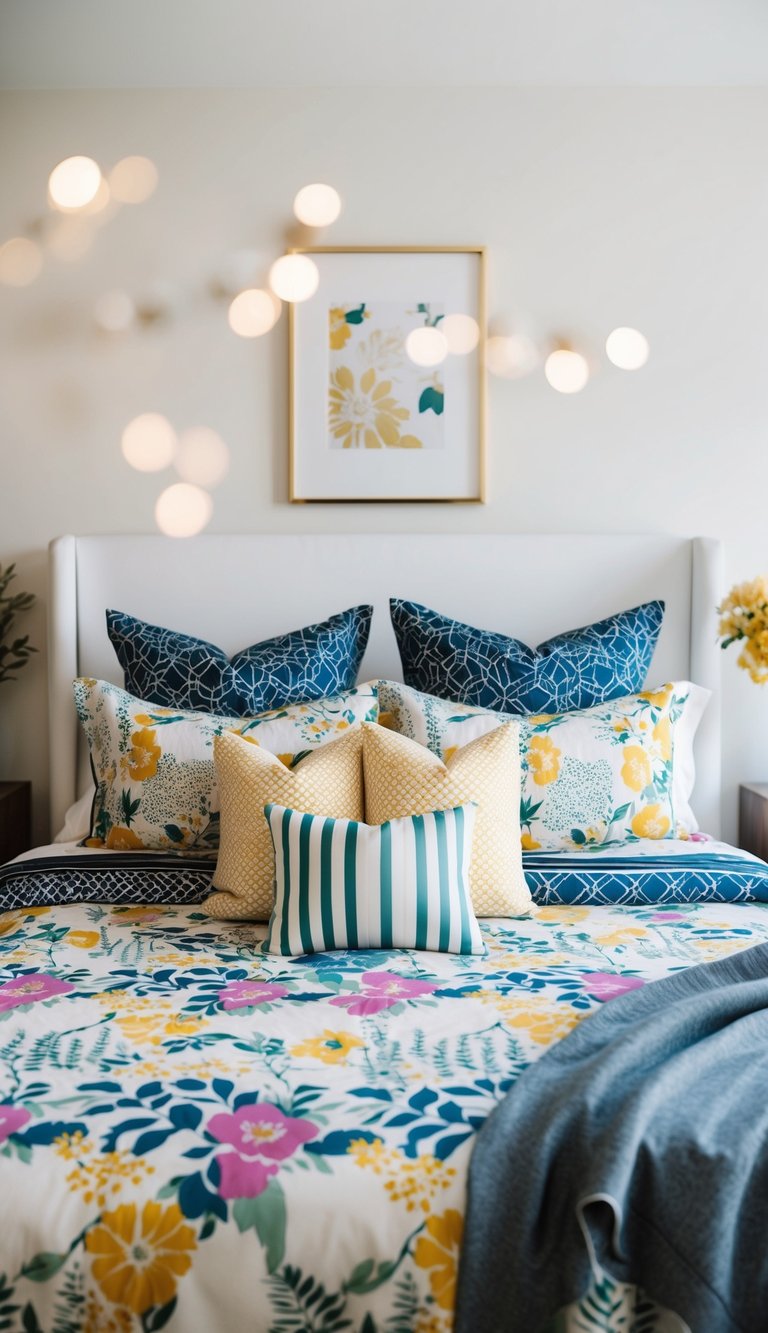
[(81, 197)]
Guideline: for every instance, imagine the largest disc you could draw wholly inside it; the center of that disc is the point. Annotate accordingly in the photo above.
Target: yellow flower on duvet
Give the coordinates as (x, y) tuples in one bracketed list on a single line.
[(332, 1048), (412, 1181), (438, 1251), (136, 1258)]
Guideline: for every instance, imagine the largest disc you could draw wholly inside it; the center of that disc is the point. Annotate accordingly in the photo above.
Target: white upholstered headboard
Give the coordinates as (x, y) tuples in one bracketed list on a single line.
[(236, 590)]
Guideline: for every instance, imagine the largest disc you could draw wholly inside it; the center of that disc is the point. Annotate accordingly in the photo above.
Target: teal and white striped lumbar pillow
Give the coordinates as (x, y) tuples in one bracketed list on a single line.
[(342, 884)]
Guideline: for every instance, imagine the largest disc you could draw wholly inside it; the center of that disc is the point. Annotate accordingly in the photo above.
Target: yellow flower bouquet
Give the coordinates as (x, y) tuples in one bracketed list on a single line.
[(744, 616)]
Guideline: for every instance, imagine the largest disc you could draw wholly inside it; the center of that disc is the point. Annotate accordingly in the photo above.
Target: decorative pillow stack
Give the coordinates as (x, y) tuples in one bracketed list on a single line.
[(621, 771), (154, 770), (178, 671), (328, 855), (446, 658), (342, 884)]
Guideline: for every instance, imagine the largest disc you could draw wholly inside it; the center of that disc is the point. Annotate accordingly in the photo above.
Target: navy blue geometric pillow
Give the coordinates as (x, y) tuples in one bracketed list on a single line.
[(178, 671), (575, 670)]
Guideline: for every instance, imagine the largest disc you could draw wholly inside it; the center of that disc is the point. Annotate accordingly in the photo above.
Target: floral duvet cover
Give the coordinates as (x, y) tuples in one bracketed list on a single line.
[(194, 1136)]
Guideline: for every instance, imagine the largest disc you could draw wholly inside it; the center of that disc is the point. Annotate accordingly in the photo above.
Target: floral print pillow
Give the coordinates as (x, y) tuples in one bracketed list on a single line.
[(618, 772), (153, 767)]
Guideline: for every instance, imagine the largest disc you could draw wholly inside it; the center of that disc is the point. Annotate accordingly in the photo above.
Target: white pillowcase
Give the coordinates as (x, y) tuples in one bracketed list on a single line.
[(77, 820)]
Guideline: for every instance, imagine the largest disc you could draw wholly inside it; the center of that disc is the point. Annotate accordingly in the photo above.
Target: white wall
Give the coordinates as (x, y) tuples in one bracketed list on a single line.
[(598, 207)]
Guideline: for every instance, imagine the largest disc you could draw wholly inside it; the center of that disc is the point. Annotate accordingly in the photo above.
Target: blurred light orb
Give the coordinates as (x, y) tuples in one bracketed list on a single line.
[(317, 205), (133, 179), (74, 183), (114, 312), (566, 371), (294, 277), (462, 334), (99, 201), (254, 312), (202, 457), (427, 346), (511, 356), (70, 238), (183, 510), (149, 442), (20, 262), (627, 348)]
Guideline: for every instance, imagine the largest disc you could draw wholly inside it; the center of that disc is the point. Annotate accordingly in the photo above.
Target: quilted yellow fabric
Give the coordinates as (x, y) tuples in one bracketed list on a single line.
[(404, 778), (328, 781)]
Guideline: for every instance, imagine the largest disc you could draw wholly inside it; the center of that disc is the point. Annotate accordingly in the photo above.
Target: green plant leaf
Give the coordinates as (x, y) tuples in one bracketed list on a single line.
[(43, 1266), (266, 1215)]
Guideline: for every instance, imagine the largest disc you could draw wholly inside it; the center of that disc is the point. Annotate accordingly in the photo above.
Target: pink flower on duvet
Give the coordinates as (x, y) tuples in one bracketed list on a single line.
[(609, 985), (262, 1137), (242, 994), (11, 1119), (30, 987), (380, 990)]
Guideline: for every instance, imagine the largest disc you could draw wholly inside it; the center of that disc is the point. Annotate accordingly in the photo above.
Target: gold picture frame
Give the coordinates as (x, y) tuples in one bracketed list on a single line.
[(317, 477)]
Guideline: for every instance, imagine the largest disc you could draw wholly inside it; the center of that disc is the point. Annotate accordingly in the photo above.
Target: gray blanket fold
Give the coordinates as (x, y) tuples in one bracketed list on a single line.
[(637, 1145)]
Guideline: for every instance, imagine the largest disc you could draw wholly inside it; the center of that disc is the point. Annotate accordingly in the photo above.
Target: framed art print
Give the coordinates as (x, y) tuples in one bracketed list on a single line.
[(369, 420)]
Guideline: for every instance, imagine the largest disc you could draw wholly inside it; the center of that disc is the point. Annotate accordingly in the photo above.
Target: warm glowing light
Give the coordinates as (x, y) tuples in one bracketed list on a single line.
[(183, 510), (317, 205), (427, 346), (511, 356), (20, 262), (566, 371), (627, 348), (202, 457), (133, 179), (74, 182), (294, 277), (461, 332), (70, 238), (254, 312), (149, 442), (99, 201)]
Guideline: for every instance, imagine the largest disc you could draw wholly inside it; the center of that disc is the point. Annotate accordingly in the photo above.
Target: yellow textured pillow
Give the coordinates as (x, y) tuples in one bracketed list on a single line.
[(328, 781), (405, 778)]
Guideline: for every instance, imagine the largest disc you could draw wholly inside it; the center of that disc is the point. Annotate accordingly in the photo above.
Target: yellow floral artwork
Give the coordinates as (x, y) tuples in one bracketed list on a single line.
[(378, 398)]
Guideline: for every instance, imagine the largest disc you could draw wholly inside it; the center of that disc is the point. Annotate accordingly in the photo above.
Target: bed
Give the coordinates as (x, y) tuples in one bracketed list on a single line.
[(194, 1135)]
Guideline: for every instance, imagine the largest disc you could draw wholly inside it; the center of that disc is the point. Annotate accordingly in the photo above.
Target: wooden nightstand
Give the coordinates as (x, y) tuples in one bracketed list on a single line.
[(753, 818), (15, 819)]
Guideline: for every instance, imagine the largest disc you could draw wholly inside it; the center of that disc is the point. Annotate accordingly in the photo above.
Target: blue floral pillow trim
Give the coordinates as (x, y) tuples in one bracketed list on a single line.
[(572, 671), (177, 671)]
